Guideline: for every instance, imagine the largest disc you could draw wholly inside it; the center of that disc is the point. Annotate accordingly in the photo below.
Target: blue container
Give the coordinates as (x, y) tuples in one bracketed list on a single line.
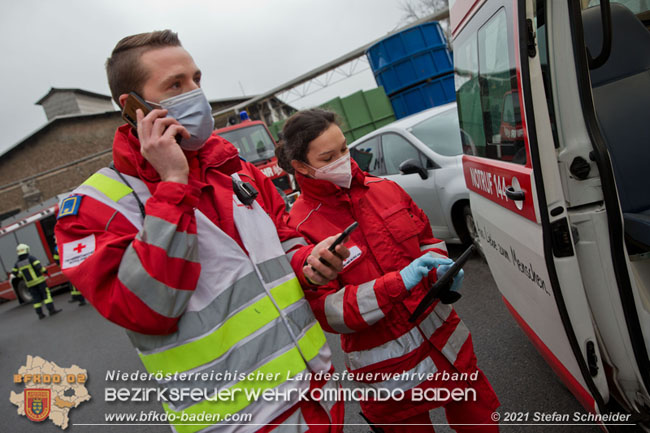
[(414, 69), (410, 57), (429, 94)]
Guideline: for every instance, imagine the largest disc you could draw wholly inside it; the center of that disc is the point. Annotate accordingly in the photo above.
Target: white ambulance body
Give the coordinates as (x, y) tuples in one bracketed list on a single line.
[(557, 161)]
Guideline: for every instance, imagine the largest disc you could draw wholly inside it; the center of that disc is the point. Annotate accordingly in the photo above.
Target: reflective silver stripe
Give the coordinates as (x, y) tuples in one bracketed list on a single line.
[(275, 268), (294, 424), (163, 234), (164, 300), (247, 355), (439, 245), (329, 403), (290, 255), (262, 411), (435, 254), (290, 243), (408, 379), (195, 324), (400, 346), (334, 312), (367, 302), (455, 342), (435, 319)]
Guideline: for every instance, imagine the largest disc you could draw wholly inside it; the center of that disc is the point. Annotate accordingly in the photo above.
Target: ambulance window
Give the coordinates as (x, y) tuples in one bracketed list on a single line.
[(539, 21), (366, 154), (396, 150), (504, 134), (470, 114)]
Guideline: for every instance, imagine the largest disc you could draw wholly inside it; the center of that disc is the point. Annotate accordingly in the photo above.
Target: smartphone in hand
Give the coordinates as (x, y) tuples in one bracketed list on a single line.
[(132, 103)]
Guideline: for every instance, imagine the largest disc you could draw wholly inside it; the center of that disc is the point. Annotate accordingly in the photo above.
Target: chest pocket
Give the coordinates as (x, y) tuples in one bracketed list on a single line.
[(401, 223)]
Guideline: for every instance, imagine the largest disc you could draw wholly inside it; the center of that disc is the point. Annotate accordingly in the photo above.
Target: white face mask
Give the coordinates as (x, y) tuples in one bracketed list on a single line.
[(338, 172), (193, 111)]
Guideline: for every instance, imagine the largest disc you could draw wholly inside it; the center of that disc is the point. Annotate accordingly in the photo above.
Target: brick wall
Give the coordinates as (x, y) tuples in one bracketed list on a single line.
[(60, 142)]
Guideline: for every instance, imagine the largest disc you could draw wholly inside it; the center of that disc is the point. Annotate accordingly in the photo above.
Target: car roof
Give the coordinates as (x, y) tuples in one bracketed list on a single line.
[(407, 122)]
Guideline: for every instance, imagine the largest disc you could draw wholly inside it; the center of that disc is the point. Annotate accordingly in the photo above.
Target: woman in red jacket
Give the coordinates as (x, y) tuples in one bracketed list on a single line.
[(381, 284)]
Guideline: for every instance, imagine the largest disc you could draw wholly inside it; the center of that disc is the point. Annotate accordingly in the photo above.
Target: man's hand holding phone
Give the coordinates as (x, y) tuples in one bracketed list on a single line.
[(157, 135)]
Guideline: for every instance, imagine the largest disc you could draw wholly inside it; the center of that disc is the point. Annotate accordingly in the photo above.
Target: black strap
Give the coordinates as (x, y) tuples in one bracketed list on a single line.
[(140, 205)]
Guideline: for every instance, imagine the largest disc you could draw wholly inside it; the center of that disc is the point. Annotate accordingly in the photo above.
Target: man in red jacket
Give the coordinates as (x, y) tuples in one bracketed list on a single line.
[(199, 267)]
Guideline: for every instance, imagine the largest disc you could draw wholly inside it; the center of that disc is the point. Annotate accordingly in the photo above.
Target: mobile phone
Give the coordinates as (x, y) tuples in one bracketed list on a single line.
[(440, 290), (338, 240), (132, 103), (343, 235)]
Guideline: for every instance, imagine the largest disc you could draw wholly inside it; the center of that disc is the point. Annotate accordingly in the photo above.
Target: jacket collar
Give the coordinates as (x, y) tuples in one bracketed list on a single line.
[(324, 190), (216, 153)]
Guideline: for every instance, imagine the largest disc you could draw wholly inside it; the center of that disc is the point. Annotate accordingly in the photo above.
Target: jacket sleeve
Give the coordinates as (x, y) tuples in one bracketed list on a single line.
[(353, 307), (141, 280), (295, 246)]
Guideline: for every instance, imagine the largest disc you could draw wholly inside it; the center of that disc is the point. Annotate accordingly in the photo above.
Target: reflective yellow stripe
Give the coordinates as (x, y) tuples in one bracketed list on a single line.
[(238, 327), (111, 188), (287, 365), (210, 347), (312, 341), (287, 293)]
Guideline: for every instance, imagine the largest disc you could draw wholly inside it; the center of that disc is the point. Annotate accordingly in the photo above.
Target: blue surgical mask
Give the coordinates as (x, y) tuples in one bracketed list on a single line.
[(193, 111)]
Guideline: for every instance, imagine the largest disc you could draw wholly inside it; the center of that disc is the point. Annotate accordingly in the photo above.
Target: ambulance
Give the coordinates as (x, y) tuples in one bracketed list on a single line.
[(554, 107)]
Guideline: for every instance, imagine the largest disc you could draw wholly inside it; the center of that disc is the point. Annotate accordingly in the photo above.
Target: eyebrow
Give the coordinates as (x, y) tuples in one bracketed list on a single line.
[(179, 76), (345, 143)]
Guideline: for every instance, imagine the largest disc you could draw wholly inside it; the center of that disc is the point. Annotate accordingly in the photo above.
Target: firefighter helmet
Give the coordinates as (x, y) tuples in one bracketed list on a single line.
[(22, 249)]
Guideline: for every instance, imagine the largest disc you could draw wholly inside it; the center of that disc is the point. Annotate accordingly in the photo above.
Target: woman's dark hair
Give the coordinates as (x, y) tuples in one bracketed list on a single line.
[(298, 132)]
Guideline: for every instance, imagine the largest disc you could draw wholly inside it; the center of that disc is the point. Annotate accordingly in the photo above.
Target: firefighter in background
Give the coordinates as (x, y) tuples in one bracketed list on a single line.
[(76, 294), (30, 270)]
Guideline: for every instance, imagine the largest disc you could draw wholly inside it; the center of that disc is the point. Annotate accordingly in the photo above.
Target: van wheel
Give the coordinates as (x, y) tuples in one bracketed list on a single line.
[(24, 294), (471, 234)]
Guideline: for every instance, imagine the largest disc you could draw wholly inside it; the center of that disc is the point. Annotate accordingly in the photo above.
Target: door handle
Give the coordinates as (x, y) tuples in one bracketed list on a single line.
[(515, 195)]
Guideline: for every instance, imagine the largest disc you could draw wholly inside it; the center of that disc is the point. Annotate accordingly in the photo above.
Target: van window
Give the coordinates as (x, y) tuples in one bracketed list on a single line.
[(488, 98)]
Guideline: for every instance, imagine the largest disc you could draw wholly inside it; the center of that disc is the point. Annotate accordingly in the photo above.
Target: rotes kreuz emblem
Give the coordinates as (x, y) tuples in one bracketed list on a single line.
[(37, 403)]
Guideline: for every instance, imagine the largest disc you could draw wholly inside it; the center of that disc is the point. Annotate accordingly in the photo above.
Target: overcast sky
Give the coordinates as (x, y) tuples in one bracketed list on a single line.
[(254, 44)]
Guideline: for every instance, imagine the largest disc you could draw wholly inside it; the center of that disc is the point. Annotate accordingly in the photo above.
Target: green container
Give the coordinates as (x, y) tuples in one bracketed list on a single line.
[(362, 112)]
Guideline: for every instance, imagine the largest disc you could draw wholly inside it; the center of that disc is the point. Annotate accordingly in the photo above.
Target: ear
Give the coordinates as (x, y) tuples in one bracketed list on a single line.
[(301, 167), (122, 99)]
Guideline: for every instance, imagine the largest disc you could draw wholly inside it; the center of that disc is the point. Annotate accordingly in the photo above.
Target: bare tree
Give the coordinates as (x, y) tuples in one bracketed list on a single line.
[(413, 10)]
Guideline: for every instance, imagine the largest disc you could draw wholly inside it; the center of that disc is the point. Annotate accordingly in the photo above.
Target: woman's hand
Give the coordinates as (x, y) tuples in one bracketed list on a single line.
[(319, 273)]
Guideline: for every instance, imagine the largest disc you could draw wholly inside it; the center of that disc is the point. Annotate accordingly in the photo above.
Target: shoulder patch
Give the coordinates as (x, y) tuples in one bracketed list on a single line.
[(70, 206)]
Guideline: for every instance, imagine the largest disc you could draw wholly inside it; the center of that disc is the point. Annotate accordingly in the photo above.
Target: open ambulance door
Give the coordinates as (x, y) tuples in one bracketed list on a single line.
[(545, 215)]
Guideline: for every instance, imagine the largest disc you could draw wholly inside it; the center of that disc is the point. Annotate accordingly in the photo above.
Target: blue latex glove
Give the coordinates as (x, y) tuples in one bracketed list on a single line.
[(458, 279), (420, 267)]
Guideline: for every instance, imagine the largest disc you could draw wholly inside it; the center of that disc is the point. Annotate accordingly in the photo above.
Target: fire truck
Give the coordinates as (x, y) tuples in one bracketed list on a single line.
[(559, 183), (256, 145), (34, 227)]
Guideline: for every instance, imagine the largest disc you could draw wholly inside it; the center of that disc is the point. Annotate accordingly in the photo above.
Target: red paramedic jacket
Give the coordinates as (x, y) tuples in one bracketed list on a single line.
[(209, 189), (392, 232)]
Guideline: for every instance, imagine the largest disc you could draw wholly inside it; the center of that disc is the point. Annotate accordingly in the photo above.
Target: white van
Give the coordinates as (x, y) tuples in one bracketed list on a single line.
[(554, 103)]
